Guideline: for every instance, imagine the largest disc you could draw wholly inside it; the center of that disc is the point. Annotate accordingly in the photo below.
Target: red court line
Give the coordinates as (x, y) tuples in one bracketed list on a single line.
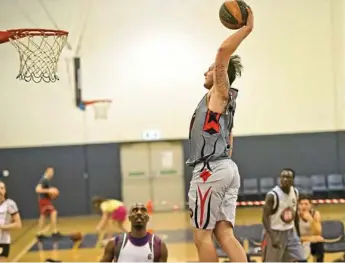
[(318, 201)]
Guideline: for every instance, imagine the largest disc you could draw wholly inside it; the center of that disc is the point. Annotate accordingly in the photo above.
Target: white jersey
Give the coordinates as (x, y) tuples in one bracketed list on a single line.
[(285, 207), (7, 209), (132, 253)]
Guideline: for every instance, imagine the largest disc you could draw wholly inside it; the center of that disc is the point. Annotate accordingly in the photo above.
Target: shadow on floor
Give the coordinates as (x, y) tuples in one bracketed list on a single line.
[(90, 240)]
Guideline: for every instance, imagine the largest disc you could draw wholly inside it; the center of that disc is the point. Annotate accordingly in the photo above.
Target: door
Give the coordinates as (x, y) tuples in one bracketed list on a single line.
[(135, 173), (153, 171), (167, 182)]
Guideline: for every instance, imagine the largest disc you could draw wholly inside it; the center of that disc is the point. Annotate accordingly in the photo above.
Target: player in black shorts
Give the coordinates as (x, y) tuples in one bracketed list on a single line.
[(9, 219)]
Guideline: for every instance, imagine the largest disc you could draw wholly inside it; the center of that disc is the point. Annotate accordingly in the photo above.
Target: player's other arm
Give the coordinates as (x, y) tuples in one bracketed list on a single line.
[(316, 228), (164, 253), (233, 109), (104, 219), (16, 221), (316, 224), (43, 187), (40, 190), (102, 222), (268, 211), (220, 92), (109, 252)]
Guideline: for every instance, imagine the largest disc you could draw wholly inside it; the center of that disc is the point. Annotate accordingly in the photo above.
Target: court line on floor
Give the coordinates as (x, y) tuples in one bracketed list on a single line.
[(27, 248), (24, 233)]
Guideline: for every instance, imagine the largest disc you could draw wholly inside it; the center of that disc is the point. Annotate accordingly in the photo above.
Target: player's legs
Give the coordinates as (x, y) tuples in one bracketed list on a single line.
[(4, 252), (47, 209), (44, 208), (270, 253), (204, 245), (317, 251), (41, 222), (206, 193), (226, 219), (306, 248), (294, 250), (229, 243), (53, 221)]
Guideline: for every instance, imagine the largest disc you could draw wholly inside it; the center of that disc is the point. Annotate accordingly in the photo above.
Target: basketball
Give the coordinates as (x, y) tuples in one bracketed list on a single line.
[(233, 14), (77, 236), (54, 193)]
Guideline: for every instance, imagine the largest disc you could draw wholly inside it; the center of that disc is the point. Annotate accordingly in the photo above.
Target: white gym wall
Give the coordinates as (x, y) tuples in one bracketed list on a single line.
[(149, 58)]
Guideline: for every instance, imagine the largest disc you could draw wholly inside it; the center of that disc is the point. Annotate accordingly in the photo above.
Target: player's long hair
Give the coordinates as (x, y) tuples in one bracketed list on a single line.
[(6, 195), (235, 68)]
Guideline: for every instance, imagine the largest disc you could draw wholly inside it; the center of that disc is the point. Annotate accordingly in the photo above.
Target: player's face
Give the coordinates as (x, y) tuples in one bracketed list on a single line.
[(286, 179), (138, 216), (50, 172), (2, 190), (304, 205), (209, 77)]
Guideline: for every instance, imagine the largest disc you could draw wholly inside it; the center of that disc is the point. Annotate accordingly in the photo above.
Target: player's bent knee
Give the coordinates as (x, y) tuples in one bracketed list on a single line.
[(223, 228), (53, 213)]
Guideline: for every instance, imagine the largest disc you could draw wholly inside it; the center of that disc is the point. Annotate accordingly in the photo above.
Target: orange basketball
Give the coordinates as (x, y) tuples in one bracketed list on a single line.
[(233, 14), (54, 193), (77, 236)]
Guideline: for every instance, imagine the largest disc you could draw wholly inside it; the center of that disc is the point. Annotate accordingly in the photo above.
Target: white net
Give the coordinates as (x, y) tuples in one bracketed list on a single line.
[(101, 109), (39, 53)]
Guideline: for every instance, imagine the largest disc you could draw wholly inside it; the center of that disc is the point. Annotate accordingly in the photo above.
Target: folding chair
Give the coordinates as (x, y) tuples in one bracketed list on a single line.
[(333, 233)]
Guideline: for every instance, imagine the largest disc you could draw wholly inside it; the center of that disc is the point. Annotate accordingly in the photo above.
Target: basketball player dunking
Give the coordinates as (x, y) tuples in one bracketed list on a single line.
[(138, 245), (46, 206), (215, 182), (281, 242), (9, 219)]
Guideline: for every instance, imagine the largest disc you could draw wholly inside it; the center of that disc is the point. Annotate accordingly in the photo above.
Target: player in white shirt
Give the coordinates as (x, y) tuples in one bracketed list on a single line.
[(280, 217), (138, 245), (9, 219)]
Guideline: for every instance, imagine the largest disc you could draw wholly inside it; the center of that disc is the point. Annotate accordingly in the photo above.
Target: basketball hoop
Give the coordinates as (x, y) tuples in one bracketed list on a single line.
[(100, 107), (39, 52)]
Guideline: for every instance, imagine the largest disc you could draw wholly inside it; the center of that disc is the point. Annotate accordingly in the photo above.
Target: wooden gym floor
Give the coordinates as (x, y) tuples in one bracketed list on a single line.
[(180, 249)]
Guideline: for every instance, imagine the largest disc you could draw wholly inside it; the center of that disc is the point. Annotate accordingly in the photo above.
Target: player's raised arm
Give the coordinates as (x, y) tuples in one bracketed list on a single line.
[(220, 94)]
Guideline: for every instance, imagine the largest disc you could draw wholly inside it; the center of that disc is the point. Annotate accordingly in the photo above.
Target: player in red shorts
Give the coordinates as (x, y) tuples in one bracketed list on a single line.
[(43, 189)]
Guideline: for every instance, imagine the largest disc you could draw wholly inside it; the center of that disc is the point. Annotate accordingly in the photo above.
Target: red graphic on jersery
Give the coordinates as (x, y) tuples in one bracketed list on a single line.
[(211, 124), (205, 174)]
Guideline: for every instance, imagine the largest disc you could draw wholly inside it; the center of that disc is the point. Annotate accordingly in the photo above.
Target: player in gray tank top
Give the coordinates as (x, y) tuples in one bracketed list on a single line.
[(215, 182), (281, 242), (310, 228)]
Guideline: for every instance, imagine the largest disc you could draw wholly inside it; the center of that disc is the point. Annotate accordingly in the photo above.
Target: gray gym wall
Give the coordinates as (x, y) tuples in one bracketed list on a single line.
[(257, 156)]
